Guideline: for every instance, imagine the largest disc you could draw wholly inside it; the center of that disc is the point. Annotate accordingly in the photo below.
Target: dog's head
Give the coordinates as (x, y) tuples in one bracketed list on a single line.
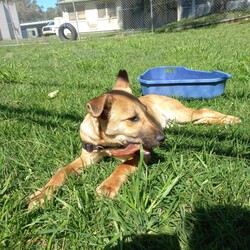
[(122, 118)]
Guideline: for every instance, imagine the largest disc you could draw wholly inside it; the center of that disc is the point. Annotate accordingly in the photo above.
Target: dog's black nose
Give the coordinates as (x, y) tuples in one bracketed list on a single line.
[(160, 137)]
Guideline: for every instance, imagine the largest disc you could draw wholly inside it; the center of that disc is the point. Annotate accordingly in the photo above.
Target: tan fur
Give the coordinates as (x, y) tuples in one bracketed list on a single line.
[(117, 118)]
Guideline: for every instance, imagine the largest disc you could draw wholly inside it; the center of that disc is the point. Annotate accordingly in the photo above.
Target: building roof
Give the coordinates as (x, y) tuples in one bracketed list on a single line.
[(71, 1), (35, 23)]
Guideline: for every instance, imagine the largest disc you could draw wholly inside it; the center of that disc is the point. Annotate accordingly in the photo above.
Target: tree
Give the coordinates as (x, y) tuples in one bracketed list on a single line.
[(30, 11), (51, 13)]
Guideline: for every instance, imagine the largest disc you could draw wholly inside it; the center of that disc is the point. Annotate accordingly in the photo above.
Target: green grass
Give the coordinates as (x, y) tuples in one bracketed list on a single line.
[(193, 195)]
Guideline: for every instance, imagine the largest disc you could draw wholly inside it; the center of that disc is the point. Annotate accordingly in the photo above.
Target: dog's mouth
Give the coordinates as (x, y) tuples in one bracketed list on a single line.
[(130, 150)]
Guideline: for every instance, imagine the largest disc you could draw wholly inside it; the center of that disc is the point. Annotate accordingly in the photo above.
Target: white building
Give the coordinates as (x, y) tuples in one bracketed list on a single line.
[(89, 16), (9, 22)]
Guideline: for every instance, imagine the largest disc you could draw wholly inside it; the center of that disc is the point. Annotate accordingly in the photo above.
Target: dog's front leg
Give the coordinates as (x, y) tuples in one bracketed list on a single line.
[(61, 175), (111, 186)]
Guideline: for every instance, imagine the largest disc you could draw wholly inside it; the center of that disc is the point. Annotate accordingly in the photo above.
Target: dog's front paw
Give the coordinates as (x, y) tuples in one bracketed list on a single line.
[(38, 198), (108, 188)]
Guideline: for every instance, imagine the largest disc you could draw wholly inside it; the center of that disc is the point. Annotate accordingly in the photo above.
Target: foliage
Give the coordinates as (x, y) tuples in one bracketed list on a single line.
[(195, 192), (51, 13), (30, 11)]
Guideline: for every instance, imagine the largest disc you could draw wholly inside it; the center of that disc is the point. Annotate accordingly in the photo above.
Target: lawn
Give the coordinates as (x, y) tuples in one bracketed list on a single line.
[(195, 192)]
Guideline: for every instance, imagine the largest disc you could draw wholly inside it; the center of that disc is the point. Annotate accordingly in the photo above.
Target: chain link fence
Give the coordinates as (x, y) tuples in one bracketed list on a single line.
[(128, 15), (143, 14)]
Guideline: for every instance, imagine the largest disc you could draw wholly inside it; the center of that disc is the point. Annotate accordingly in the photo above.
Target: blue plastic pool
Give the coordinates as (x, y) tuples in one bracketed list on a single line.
[(183, 82)]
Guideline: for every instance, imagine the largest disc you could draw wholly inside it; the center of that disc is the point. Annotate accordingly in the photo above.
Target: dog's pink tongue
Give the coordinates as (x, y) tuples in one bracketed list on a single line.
[(129, 150)]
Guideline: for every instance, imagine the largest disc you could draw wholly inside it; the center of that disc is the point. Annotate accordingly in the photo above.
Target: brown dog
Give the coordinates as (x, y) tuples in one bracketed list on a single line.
[(117, 124)]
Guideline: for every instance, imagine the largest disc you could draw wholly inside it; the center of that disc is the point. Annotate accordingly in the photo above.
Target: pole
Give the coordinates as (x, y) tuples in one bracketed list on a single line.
[(76, 17), (193, 8), (151, 16), (12, 23)]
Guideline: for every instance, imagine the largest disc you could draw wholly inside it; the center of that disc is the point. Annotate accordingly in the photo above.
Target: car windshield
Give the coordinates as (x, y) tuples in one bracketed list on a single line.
[(51, 23)]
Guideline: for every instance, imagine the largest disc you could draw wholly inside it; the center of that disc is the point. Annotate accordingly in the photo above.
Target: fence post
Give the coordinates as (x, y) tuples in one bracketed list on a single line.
[(76, 17), (151, 16), (193, 8), (11, 20)]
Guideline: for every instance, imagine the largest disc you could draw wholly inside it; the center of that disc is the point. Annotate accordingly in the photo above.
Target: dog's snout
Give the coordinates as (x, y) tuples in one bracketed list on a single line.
[(160, 137)]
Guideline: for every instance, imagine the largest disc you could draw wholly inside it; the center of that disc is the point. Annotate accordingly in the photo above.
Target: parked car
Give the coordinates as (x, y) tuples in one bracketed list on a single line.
[(49, 29)]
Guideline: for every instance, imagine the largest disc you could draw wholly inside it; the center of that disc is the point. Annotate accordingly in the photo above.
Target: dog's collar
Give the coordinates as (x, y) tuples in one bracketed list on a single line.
[(115, 151), (131, 149), (89, 147)]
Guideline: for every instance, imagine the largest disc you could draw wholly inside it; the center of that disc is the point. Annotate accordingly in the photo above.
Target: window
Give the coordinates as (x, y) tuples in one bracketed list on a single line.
[(72, 16), (81, 15), (106, 10), (101, 9), (111, 9)]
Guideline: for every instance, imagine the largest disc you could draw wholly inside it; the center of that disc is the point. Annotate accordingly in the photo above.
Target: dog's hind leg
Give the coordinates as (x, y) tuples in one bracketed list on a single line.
[(165, 109), (208, 116), (203, 116), (57, 180), (111, 186)]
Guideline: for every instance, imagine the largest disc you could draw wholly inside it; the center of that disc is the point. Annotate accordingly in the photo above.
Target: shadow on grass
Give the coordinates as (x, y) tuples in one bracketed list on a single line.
[(211, 20), (37, 115), (190, 23), (148, 241), (219, 227), (216, 228), (193, 140)]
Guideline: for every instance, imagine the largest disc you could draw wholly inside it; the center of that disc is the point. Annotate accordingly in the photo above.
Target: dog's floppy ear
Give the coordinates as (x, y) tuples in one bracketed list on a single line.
[(122, 81), (100, 106)]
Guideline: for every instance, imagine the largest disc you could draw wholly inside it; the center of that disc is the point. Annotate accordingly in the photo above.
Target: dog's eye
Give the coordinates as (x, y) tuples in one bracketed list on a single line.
[(134, 119)]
